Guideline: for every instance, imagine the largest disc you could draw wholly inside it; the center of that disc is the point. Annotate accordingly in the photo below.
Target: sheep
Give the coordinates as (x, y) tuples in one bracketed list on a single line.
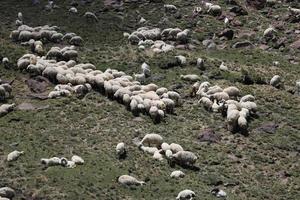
[(156, 114), (152, 139), (14, 155), (214, 89), (242, 122), (76, 40), (7, 192), (177, 174), (157, 156), (161, 90), (200, 64), (294, 11), (165, 146), (175, 148), (170, 105), (73, 10), (183, 36), (67, 163), (170, 8), (218, 192), (146, 70), (251, 106), (127, 180), (223, 67), (20, 16), (174, 96), (232, 91), (6, 108), (54, 161), (215, 10), (149, 87), (91, 16), (276, 81), (77, 160), (232, 117), (207, 103), (121, 150), (186, 195), (269, 32), (140, 77), (221, 96), (57, 37), (216, 107), (181, 60), (149, 150), (168, 154), (247, 97), (5, 62)]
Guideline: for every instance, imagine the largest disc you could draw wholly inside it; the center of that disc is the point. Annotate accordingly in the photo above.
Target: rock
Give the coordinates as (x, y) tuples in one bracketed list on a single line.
[(243, 44), (228, 33), (38, 84), (268, 127), (296, 44), (209, 135), (257, 4)]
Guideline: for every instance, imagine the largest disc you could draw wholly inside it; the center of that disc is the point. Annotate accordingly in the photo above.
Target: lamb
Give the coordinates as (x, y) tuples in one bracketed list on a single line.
[(91, 16), (152, 139), (7, 192), (6, 108), (14, 155), (129, 180), (186, 195), (276, 81), (170, 8), (121, 150), (185, 158), (177, 174), (73, 10), (77, 160)]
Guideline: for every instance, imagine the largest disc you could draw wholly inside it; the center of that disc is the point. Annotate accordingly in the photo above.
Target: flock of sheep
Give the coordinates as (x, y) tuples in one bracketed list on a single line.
[(59, 65)]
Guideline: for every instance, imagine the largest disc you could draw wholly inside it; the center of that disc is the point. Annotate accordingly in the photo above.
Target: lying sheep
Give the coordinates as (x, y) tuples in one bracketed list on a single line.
[(186, 195), (276, 81), (170, 8), (129, 180), (5, 62), (77, 160), (185, 158), (6, 108), (190, 77), (7, 192), (14, 155), (54, 161), (90, 16), (177, 174), (121, 150)]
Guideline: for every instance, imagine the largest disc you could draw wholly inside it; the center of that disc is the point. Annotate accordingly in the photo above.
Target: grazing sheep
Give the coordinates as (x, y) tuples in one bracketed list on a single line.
[(7, 192), (73, 10), (294, 11), (129, 180), (6, 108), (77, 160), (200, 64), (186, 195), (175, 147), (177, 174), (156, 114), (183, 36), (121, 150), (90, 16), (170, 8), (223, 67), (232, 91), (152, 139), (207, 103), (221, 96), (14, 155), (149, 150), (185, 158), (276, 81), (54, 161), (269, 32), (247, 97), (146, 70), (5, 62), (215, 10), (20, 16), (76, 40), (181, 60), (168, 154), (140, 77), (251, 106)]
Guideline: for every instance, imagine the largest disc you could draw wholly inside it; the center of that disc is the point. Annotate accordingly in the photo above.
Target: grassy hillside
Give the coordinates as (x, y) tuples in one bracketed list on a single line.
[(257, 166)]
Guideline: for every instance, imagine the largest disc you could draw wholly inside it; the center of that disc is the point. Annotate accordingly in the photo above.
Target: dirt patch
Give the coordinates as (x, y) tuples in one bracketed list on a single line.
[(38, 84)]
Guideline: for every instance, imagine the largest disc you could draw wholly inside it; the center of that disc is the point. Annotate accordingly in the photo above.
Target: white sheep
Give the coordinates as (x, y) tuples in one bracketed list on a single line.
[(251, 106), (156, 114), (183, 36), (207, 103), (149, 150), (170, 8), (185, 158), (232, 91), (294, 11), (168, 154), (140, 77), (181, 60), (146, 69), (177, 174), (247, 97), (200, 63), (6, 108), (158, 156), (152, 139), (223, 67), (215, 9), (121, 150), (14, 155), (186, 195), (7, 192), (269, 32), (73, 10), (51, 161), (5, 62), (91, 16), (77, 160), (129, 180), (276, 81), (20, 16)]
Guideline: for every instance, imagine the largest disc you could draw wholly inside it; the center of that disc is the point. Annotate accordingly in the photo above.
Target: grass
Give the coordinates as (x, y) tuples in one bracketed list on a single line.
[(92, 126)]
